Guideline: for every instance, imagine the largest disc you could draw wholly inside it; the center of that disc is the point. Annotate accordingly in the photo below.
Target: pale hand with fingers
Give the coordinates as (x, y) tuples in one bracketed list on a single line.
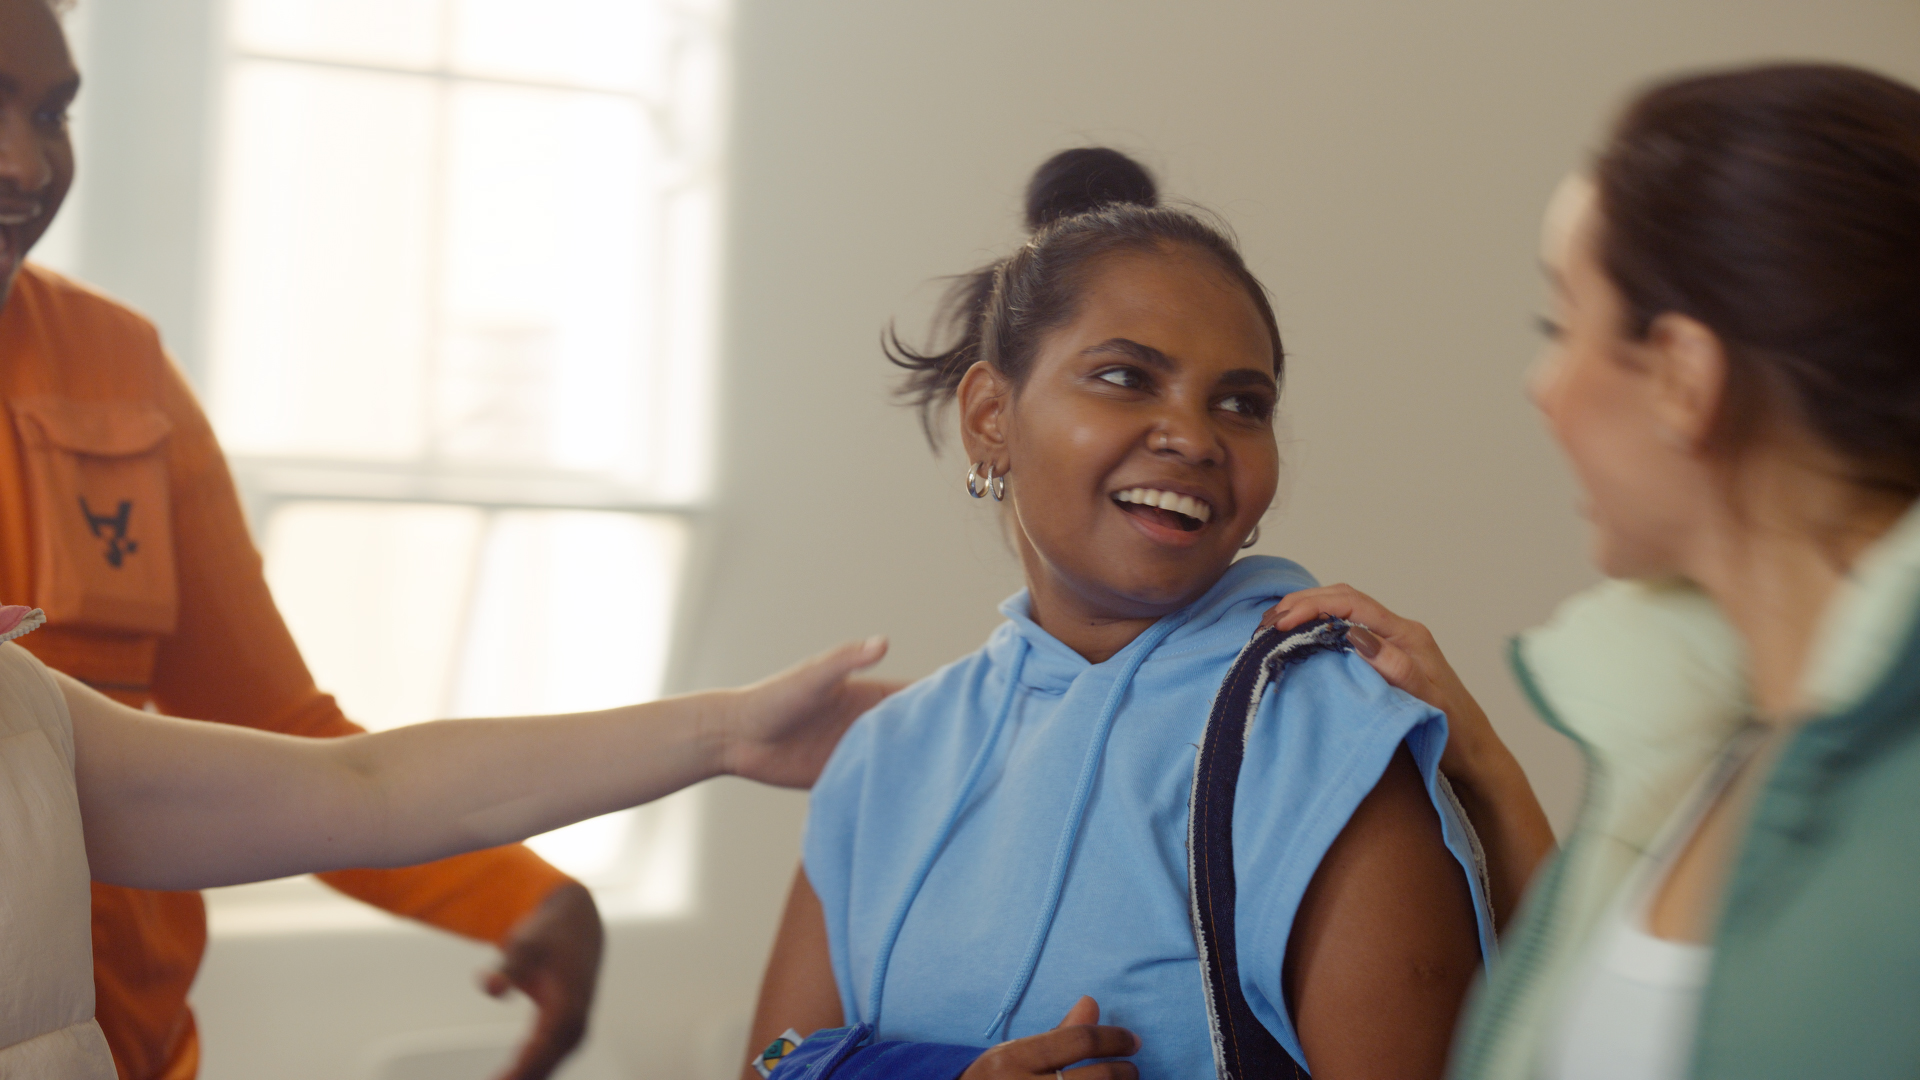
[(782, 729)]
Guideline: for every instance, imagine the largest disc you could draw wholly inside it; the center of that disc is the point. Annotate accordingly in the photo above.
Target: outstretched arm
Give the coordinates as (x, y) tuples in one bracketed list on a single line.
[(173, 804), (1487, 778), (1384, 945)]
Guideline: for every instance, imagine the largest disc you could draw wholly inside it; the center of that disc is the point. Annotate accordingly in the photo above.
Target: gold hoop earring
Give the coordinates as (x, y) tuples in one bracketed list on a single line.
[(1252, 537)]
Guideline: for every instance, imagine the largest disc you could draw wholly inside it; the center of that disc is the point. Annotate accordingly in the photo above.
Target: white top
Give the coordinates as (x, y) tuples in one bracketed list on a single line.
[(1634, 1003), (1632, 1008), (47, 1028)]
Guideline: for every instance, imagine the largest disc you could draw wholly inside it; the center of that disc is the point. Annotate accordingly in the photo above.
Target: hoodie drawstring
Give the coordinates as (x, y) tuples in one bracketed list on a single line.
[(1083, 791), (885, 955)]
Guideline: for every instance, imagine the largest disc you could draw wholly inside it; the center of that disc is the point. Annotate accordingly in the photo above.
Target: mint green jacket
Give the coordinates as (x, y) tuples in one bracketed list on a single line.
[(1816, 965)]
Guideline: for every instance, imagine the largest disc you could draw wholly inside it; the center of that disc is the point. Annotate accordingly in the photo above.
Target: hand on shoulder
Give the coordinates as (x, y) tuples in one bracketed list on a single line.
[(1405, 653), (1492, 787)]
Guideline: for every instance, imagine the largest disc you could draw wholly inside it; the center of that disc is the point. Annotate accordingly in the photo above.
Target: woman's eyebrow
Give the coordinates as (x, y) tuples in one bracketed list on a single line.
[(1248, 377), (68, 88), (64, 93), (1146, 354)]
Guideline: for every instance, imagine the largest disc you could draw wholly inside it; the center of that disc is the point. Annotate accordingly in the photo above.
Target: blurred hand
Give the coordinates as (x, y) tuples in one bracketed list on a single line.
[(781, 729), (1405, 654), (1078, 1038), (553, 957)]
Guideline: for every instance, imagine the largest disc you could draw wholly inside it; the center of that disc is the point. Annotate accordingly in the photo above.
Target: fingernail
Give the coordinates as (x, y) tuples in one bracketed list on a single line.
[(874, 642), (1363, 641)]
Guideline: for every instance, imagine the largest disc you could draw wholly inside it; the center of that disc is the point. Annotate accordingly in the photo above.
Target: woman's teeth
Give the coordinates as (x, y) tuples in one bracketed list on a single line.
[(1196, 509)]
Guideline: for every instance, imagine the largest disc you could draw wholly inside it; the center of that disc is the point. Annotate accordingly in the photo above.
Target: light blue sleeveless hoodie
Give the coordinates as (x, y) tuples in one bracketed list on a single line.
[(1010, 832)]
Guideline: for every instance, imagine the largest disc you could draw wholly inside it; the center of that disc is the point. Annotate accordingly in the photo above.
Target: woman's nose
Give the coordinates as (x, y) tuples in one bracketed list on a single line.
[(1184, 437)]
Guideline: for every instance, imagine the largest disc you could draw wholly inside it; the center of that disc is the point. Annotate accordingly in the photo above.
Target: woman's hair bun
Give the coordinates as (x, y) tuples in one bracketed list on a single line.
[(1087, 178)]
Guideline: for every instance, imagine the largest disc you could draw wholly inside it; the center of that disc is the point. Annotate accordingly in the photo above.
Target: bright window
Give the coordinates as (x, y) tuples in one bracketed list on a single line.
[(461, 348)]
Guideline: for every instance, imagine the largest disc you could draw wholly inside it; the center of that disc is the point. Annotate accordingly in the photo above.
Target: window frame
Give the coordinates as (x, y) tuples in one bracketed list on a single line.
[(269, 482)]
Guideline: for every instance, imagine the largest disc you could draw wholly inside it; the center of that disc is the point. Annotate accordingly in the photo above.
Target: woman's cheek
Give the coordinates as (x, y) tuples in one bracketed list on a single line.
[(1612, 481), (1256, 486), (1544, 385)]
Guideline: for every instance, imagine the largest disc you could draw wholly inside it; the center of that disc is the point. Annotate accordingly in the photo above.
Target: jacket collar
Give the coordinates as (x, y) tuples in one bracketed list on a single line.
[(1867, 624), (1651, 670), (1650, 681)]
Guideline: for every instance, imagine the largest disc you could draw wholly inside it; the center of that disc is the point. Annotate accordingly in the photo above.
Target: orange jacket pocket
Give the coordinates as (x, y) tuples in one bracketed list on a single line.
[(102, 527)]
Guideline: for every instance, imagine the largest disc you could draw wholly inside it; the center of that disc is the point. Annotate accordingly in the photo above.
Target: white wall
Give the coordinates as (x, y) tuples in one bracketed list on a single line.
[(1384, 164)]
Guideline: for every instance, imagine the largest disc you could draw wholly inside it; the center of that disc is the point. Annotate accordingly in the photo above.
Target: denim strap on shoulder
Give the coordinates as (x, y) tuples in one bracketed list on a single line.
[(1243, 1048)]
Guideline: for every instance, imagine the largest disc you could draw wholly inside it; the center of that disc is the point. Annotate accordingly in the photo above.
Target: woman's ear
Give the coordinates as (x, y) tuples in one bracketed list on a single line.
[(986, 400), (1689, 368)]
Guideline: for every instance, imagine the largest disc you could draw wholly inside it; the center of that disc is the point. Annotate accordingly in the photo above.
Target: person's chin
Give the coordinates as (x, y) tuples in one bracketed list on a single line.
[(1604, 558), (17, 238)]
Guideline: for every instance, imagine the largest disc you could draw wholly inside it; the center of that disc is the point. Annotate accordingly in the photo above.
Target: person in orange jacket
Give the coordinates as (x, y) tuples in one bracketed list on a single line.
[(119, 518)]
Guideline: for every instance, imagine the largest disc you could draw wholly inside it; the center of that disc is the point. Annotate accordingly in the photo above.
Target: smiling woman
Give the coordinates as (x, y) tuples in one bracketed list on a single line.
[(1013, 832), (1176, 436), (1101, 243)]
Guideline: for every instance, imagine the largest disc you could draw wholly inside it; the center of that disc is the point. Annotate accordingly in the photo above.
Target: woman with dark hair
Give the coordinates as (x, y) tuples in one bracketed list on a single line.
[(1055, 814), (1734, 374)]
